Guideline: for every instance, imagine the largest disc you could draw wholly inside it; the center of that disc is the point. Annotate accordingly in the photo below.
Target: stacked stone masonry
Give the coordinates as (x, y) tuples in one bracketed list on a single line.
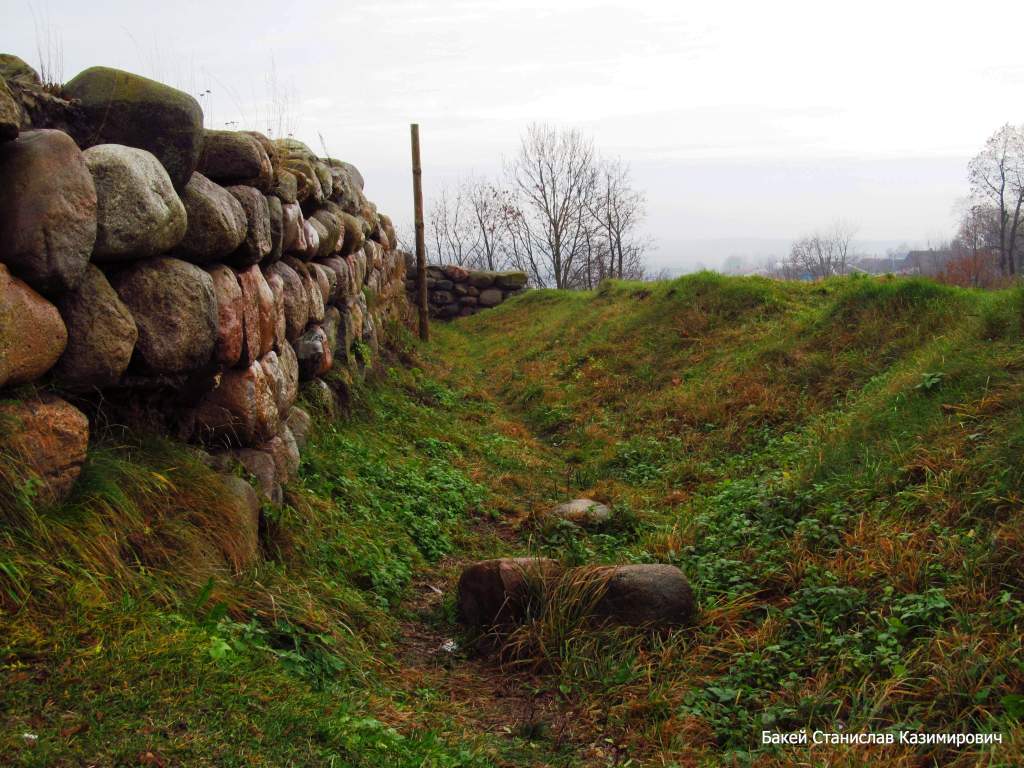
[(454, 291), (191, 277)]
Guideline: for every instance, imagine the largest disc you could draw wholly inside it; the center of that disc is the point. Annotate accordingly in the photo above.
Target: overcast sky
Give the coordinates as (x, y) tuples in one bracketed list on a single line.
[(747, 123)]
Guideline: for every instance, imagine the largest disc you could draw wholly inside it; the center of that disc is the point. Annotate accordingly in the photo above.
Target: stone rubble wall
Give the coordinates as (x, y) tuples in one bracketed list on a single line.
[(454, 291), (194, 279)]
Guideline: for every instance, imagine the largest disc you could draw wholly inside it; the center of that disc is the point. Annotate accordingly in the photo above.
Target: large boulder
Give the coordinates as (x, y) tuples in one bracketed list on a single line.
[(258, 241), (331, 239), (314, 296), (259, 314), (291, 228), (646, 595), (261, 466), (47, 439), (216, 221), (175, 308), (138, 212), (121, 108), (230, 313), (277, 289), (101, 334), (296, 299), (271, 365), (584, 512), (289, 364), (353, 240), (283, 449), (499, 592), (510, 281), (32, 333), (311, 229), (313, 351), (286, 187), (299, 422), (17, 70), (323, 281), (490, 297), (235, 157), (276, 211), (10, 114), (47, 210), (241, 410)]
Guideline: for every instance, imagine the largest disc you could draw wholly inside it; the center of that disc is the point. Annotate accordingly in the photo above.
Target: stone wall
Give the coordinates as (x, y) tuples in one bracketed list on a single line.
[(454, 291), (153, 271)]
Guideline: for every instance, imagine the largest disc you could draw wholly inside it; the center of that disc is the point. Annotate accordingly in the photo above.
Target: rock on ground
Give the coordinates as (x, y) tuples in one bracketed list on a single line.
[(261, 466), (175, 308), (121, 108), (582, 512), (299, 423), (244, 507), (499, 592), (138, 212), (47, 210), (101, 334), (49, 438), (216, 221), (647, 595)]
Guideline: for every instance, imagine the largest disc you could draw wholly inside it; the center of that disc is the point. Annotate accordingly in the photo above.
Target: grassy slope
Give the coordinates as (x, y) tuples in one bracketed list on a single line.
[(836, 468)]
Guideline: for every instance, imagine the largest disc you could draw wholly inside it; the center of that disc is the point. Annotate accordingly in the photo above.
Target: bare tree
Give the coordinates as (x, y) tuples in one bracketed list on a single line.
[(822, 255), (553, 178), (488, 204), (618, 210), (453, 231), (997, 178)]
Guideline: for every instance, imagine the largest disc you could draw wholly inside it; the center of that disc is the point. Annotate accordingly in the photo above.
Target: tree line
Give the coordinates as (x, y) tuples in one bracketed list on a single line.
[(564, 214)]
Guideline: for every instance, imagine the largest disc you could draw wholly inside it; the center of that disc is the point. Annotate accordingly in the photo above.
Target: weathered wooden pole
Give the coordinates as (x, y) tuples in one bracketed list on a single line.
[(421, 248)]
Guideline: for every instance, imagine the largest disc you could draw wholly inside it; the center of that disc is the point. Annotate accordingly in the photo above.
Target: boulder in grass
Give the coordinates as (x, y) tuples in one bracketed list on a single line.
[(175, 308), (261, 466), (649, 595), (138, 212), (285, 452), (241, 410), (235, 157), (258, 241), (584, 512), (32, 333), (498, 593), (243, 505), (121, 108), (230, 314), (490, 297), (101, 334), (47, 210), (296, 299), (216, 222), (47, 439), (299, 422)]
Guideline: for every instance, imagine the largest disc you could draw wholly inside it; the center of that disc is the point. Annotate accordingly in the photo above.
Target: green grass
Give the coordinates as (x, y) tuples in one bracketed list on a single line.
[(836, 468)]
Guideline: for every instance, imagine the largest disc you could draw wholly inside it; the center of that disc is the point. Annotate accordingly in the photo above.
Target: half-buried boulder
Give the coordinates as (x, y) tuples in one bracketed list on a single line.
[(32, 333), (175, 307), (46, 438), (121, 108), (244, 508), (101, 334), (138, 212), (216, 221), (582, 512), (654, 595), (499, 592), (47, 210)]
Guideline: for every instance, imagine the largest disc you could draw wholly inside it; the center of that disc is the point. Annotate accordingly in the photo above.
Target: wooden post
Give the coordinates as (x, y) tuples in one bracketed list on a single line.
[(421, 248)]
